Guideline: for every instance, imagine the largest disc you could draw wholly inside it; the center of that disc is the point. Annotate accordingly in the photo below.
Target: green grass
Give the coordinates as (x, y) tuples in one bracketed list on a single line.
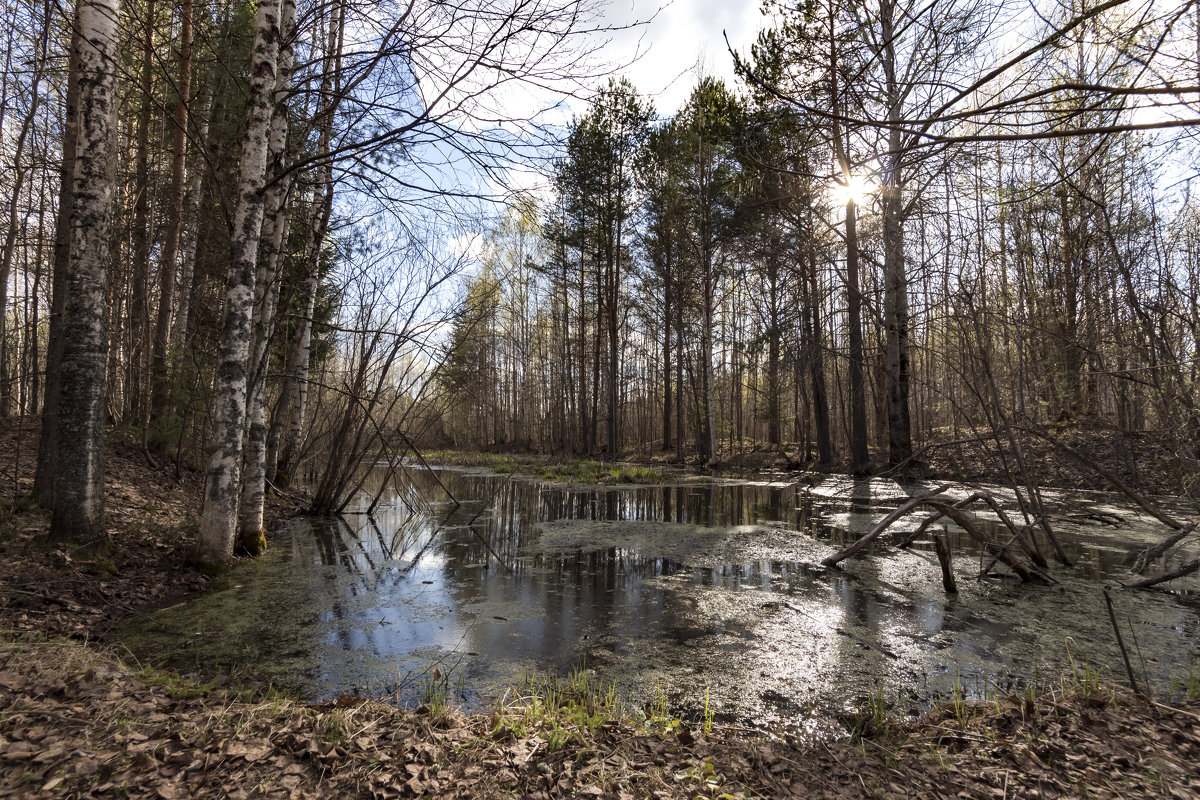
[(562, 709), (1186, 688), (177, 686), (588, 471), (598, 472), (187, 687)]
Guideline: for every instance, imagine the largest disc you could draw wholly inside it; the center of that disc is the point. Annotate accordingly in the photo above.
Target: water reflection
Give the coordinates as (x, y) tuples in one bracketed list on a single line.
[(523, 573)]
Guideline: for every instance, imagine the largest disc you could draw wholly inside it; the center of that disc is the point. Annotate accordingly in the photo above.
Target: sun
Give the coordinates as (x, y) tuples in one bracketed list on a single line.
[(857, 188)]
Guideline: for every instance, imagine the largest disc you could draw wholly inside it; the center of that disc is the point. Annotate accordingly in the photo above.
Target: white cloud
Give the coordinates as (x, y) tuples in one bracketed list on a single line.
[(684, 39)]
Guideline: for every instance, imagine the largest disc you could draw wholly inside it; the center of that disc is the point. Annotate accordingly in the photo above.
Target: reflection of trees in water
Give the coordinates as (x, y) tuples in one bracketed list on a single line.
[(408, 524)]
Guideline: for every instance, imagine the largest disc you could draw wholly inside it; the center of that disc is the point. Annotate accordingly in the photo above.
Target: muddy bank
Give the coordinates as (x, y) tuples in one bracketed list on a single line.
[(76, 722)]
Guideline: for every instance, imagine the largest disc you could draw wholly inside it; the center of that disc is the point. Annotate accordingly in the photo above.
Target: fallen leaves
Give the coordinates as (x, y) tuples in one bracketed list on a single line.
[(75, 722)]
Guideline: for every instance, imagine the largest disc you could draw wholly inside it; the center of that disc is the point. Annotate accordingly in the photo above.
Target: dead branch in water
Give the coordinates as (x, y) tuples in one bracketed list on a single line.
[(1151, 553), (1186, 569), (1023, 569), (883, 525), (1112, 616), (1022, 534)]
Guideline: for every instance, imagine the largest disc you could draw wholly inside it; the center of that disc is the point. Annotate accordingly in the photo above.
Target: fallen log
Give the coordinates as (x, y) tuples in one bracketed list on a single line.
[(1151, 553), (1186, 569), (1023, 569), (1022, 535)]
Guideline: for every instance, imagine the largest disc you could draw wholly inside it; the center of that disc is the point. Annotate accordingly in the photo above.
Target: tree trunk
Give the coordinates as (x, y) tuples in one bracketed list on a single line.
[(895, 279), (816, 363), (292, 412), (614, 290), (190, 235), (895, 320), (43, 481), (252, 539), (140, 268), (706, 371), (218, 520), (160, 388), (774, 432), (858, 396), (667, 309), (78, 499)]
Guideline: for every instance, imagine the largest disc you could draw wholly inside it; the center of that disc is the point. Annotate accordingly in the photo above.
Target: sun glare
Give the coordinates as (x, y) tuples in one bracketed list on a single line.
[(857, 188)]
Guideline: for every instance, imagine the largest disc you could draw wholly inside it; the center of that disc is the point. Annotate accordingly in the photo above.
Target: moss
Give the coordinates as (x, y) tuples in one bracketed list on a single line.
[(177, 686), (251, 544), (102, 566), (585, 471)]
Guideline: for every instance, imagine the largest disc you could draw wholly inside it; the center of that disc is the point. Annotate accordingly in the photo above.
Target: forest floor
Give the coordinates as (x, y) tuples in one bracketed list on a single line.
[(79, 720)]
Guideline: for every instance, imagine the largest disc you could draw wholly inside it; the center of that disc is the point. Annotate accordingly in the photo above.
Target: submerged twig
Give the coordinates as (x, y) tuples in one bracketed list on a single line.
[(1112, 615)]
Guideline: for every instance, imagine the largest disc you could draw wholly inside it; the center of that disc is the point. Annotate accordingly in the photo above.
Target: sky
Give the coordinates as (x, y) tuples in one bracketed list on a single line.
[(664, 49), (681, 39)]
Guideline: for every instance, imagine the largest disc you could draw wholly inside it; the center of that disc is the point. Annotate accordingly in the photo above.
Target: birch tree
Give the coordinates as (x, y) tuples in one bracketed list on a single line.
[(78, 500), (251, 538), (222, 487)]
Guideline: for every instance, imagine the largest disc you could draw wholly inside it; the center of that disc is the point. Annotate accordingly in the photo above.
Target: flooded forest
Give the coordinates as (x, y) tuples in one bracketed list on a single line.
[(671, 385)]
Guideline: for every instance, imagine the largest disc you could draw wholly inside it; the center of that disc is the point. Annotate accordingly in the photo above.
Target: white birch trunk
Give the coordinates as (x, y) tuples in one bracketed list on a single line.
[(298, 374), (251, 537), (218, 519), (78, 502)]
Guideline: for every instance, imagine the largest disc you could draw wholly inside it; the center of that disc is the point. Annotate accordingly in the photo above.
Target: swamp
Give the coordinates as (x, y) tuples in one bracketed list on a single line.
[(578, 398), (706, 595)]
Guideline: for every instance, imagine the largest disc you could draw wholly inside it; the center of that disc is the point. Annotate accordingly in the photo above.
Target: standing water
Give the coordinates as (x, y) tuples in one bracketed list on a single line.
[(701, 592)]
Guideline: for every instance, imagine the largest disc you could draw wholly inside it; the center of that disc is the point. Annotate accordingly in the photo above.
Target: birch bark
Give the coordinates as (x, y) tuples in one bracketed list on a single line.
[(78, 502), (293, 395), (219, 517), (251, 537)]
